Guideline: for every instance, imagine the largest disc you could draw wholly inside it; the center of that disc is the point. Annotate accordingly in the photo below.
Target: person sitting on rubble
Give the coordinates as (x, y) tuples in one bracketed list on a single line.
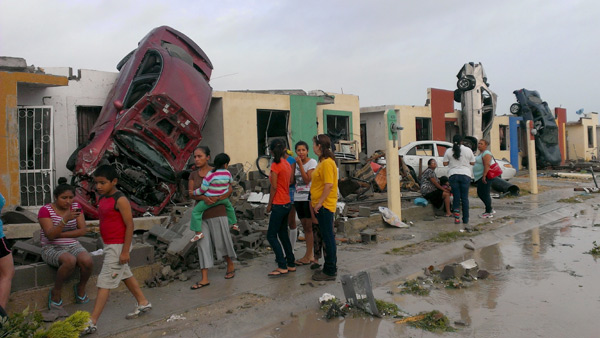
[(215, 184), (433, 190), (62, 222), (218, 243)]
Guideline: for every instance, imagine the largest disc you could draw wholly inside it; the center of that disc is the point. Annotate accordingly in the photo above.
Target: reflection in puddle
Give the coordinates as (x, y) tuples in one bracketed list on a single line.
[(538, 287)]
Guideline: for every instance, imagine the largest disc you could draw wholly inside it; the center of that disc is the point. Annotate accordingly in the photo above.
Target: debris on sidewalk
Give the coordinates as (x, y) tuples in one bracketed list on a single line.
[(391, 218), (433, 321), (175, 318)]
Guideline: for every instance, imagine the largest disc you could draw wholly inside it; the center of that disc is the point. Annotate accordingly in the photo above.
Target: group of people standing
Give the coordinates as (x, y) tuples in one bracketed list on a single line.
[(461, 162)]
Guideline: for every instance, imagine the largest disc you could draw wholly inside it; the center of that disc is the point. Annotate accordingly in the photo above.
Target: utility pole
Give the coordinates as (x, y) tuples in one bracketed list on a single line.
[(392, 163), (531, 132)]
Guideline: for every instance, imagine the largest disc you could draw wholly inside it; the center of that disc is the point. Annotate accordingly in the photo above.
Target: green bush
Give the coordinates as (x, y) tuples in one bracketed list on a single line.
[(30, 325)]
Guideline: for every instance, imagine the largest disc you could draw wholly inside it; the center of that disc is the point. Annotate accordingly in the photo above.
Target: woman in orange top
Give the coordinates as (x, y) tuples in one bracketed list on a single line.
[(323, 195), (279, 206)]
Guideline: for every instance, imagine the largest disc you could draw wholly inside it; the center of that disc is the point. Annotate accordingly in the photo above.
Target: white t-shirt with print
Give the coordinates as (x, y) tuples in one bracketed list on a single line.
[(303, 189)]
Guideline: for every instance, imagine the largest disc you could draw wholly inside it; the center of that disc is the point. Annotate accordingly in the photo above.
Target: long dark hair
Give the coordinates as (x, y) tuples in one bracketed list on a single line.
[(277, 148), (325, 142), (457, 141), (62, 187)]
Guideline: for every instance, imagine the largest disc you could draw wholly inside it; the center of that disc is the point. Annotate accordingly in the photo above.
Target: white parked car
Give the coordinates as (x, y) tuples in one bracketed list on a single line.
[(417, 154)]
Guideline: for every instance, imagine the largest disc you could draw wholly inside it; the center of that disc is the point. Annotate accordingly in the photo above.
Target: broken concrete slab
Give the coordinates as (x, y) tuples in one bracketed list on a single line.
[(25, 253), (471, 268), (364, 211), (18, 215), (452, 271), (368, 236)]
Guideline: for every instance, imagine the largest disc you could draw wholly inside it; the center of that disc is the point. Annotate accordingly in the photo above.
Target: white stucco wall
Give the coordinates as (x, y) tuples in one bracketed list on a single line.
[(91, 89)]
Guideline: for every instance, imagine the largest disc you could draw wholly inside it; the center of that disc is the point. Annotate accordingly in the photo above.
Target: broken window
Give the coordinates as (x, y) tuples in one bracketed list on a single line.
[(86, 117), (503, 135), (338, 128), (363, 138), (270, 124), (423, 125), (145, 78), (590, 135)]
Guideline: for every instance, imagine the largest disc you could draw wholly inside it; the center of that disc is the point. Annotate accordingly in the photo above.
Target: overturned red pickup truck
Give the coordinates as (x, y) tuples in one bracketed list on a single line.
[(149, 124)]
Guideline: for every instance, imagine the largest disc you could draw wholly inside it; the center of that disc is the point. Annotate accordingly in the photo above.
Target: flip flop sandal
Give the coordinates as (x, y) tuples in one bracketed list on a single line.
[(51, 302), (199, 285), (277, 273), (291, 269), (300, 263), (80, 300), (197, 237), (230, 274)]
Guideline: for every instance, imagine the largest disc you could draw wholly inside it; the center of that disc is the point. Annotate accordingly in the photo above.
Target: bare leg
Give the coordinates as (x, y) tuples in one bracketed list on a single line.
[(101, 300), (85, 264), (230, 266), (446, 197), (7, 271), (132, 284), (65, 270), (309, 240)]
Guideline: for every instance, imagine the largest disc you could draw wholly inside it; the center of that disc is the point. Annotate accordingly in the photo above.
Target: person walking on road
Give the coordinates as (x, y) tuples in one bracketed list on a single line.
[(324, 195), (480, 171), (459, 160)]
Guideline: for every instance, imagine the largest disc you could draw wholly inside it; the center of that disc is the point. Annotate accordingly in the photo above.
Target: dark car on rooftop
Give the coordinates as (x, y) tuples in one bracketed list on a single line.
[(149, 124), (531, 107)]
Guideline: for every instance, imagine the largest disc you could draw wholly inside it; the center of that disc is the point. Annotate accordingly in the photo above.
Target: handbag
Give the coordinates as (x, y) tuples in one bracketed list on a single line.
[(494, 170)]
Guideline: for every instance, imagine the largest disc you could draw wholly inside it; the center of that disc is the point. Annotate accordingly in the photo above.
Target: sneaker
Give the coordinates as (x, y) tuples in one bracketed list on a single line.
[(486, 215), (90, 328), (493, 211), (322, 276), (139, 309)]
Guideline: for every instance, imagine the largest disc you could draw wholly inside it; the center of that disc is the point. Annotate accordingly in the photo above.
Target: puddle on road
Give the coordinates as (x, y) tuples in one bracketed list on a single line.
[(550, 289)]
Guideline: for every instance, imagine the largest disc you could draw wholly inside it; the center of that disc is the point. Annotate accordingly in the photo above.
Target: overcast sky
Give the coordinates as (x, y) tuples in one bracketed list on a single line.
[(386, 52)]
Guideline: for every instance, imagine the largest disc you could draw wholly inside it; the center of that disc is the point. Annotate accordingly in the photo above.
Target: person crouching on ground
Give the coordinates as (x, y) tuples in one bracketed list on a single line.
[(62, 222), (279, 206), (433, 190), (116, 229), (324, 195), (215, 184)]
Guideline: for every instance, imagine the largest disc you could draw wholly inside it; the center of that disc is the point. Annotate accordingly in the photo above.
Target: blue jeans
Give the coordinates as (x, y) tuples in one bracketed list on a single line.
[(483, 192), (325, 218), (460, 190), (278, 227)]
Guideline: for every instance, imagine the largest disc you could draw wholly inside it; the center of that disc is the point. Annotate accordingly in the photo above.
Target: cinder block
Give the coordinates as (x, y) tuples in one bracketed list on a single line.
[(36, 238), (160, 234), (264, 183), (44, 274), (251, 242), (452, 271), (254, 175), (364, 211), (24, 278), (90, 244), (368, 236), (25, 253), (258, 212), (140, 255), (244, 226), (182, 246)]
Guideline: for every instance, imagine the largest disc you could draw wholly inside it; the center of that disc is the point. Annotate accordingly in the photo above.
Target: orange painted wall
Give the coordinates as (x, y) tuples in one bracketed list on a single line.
[(9, 131)]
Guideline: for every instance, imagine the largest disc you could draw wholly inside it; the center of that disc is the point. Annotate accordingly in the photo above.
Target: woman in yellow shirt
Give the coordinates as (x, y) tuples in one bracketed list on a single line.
[(323, 195)]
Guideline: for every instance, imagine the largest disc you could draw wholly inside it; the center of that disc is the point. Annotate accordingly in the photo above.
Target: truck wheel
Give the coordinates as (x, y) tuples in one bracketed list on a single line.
[(515, 108), (457, 95), (465, 83)]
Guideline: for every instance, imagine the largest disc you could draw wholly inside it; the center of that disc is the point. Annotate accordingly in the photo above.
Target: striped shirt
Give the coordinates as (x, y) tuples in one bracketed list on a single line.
[(216, 183), (47, 211)]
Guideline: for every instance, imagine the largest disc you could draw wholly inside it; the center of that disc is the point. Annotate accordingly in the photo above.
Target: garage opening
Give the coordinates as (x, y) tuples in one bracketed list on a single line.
[(271, 124)]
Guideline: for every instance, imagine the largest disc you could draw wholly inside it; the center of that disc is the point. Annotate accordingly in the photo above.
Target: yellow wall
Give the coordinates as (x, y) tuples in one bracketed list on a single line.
[(9, 132), (406, 116), (495, 137), (343, 102), (239, 121), (577, 138)]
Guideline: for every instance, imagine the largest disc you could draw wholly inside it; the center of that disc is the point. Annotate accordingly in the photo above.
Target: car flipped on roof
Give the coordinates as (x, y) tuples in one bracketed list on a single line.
[(149, 124), (416, 155), (531, 107), (478, 102)]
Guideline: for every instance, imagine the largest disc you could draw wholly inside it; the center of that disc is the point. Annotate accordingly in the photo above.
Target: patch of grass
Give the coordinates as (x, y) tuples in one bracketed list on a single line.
[(403, 250), (447, 237), (414, 287), (595, 250), (433, 321), (575, 199), (386, 308)]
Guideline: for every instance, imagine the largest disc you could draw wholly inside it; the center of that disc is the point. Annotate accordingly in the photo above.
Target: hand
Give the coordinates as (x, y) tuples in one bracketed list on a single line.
[(210, 200), (269, 208), (299, 160), (124, 258), (190, 192), (317, 207), (71, 215), (483, 180)]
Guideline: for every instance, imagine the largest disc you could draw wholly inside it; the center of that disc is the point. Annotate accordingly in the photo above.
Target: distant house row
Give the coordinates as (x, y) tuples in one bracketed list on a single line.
[(49, 114)]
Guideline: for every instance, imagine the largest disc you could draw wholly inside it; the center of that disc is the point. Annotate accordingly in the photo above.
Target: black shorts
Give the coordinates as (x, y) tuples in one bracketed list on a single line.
[(302, 209), (436, 198), (4, 250)]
